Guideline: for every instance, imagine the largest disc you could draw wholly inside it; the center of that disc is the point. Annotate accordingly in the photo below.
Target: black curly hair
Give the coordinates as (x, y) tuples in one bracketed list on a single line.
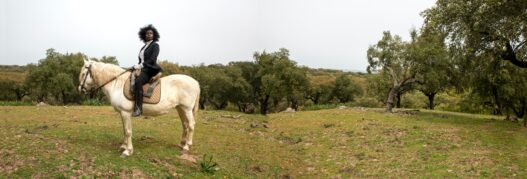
[(142, 32)]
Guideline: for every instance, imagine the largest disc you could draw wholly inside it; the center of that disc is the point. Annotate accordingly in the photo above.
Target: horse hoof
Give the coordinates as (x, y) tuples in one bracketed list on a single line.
[(126, 153), (180, 146), (185, 149), (122, 148)]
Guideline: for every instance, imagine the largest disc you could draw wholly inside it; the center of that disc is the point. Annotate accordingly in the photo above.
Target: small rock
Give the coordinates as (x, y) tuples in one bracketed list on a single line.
[(250, 109), (188, 157), (146, 138), (265, 126), (289, 110), (42, 104), (254, 125), (310, 169)]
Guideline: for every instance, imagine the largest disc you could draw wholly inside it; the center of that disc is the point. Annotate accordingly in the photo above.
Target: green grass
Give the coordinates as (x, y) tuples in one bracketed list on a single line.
[(15, 103), (76, 141)]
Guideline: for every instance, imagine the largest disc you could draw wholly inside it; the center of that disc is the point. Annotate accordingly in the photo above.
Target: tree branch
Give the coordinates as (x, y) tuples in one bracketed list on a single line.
[(519, 45), (510, 55)]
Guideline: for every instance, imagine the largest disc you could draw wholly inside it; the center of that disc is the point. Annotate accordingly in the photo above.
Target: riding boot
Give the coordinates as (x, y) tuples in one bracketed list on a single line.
[(138, 103)]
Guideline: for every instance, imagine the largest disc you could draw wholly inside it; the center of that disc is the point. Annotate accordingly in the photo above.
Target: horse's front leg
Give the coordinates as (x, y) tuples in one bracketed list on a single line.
[(127, 147)]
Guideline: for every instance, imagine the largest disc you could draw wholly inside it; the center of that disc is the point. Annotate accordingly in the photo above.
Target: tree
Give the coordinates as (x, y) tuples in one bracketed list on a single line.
[(320, 89), (55, 76), (276, 77), (170, 68), (390, 55), (245, 85), (106, 59), (345, 89), (239, 91), (436, 69), (483, 25)]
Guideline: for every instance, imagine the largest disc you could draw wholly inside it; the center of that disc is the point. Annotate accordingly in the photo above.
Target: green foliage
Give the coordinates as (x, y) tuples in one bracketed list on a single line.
[(6, 87), (368, 102), (54, 76), (207, 165), (170, 68), (95, 102), (15, 103), (397, 60), (482, 26), (345, 89), (277, 77), (414, 100), (315, 107), (480, 35), (107, 59)]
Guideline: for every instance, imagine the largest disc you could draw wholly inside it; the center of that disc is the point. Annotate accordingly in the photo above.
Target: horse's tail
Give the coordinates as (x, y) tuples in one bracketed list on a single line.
[(196, 107)]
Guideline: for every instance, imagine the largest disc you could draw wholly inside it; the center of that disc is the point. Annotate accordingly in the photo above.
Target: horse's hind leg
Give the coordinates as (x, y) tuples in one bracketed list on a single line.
[(127, 146), (184, 125), (186, 113)]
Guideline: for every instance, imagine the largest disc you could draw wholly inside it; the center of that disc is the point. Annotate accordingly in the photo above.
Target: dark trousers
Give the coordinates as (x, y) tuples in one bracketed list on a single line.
[(142, 79)]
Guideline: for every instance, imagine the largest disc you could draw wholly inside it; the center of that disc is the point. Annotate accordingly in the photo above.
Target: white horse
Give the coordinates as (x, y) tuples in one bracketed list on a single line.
[(177, 91)]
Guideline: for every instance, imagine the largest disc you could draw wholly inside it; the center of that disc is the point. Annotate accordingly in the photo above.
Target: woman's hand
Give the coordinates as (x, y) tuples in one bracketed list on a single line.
[(137, 66)]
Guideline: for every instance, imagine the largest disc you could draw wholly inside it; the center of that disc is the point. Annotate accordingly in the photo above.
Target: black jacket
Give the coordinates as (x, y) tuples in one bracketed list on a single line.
[(150, 62)]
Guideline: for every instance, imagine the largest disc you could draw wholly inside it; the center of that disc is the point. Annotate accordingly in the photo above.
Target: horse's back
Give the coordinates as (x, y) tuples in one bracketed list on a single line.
[(181, 78), (180, 81)]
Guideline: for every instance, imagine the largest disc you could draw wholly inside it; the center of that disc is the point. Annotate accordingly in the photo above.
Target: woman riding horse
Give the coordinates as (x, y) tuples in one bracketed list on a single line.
[(147, 64)]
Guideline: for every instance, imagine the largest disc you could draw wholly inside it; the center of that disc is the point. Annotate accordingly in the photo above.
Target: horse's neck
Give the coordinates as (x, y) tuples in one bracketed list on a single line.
[(105, 73)]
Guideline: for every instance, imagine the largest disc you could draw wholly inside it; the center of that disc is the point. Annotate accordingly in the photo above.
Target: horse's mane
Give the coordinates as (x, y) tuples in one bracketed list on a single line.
[(104, 72)]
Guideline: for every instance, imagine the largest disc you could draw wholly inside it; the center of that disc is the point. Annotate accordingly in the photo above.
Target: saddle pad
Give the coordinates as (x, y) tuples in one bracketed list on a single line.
[(154, 99)]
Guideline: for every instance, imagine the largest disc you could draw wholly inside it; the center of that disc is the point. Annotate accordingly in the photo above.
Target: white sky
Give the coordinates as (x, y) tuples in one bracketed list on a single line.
[(319, 33)]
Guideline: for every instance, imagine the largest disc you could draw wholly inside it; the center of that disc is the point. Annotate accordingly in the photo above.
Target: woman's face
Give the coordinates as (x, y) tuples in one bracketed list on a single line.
[(149, 35)]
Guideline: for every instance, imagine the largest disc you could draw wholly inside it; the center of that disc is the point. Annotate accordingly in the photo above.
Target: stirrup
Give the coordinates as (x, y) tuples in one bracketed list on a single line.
[(137, 112)]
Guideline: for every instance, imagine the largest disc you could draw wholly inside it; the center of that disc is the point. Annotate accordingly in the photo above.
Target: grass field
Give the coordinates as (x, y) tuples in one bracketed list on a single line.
[(80, 141)]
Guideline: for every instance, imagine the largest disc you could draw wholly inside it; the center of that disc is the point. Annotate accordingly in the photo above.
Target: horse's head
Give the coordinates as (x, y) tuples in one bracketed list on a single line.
[(86, 77)]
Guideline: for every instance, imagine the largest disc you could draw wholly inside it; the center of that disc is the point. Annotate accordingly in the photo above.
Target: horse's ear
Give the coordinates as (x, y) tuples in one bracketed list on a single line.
[(87, 61)]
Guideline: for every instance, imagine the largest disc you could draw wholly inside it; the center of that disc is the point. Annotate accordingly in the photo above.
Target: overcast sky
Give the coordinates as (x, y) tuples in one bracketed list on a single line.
[(319, 33)]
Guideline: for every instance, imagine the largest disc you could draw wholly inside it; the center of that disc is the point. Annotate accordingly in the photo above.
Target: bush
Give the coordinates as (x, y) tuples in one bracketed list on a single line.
[(95, 102), (321, 106), (207, 165), (367, 102)]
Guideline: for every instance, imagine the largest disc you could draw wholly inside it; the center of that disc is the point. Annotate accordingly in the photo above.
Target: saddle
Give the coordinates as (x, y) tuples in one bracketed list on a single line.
[(152, 89)]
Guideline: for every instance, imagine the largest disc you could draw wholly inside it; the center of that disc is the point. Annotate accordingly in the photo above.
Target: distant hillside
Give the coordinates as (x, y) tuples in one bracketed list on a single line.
[(13, 73)]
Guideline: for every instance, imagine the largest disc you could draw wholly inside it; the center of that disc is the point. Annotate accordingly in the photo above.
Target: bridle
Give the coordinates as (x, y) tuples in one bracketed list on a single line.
[(89, 72)]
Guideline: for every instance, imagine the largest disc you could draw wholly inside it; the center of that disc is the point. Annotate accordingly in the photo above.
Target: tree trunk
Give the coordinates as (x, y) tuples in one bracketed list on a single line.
[(264, 104), (316, 99), (431, 97), (398, 104), (294, 103), (20, 94), (201, 104), (391, 97), (520, 112), (499, 107), (64, 98), (241, 108)]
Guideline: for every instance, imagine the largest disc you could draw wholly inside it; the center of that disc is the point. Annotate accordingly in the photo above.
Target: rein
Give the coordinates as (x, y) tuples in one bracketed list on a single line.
[(104, 84)]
